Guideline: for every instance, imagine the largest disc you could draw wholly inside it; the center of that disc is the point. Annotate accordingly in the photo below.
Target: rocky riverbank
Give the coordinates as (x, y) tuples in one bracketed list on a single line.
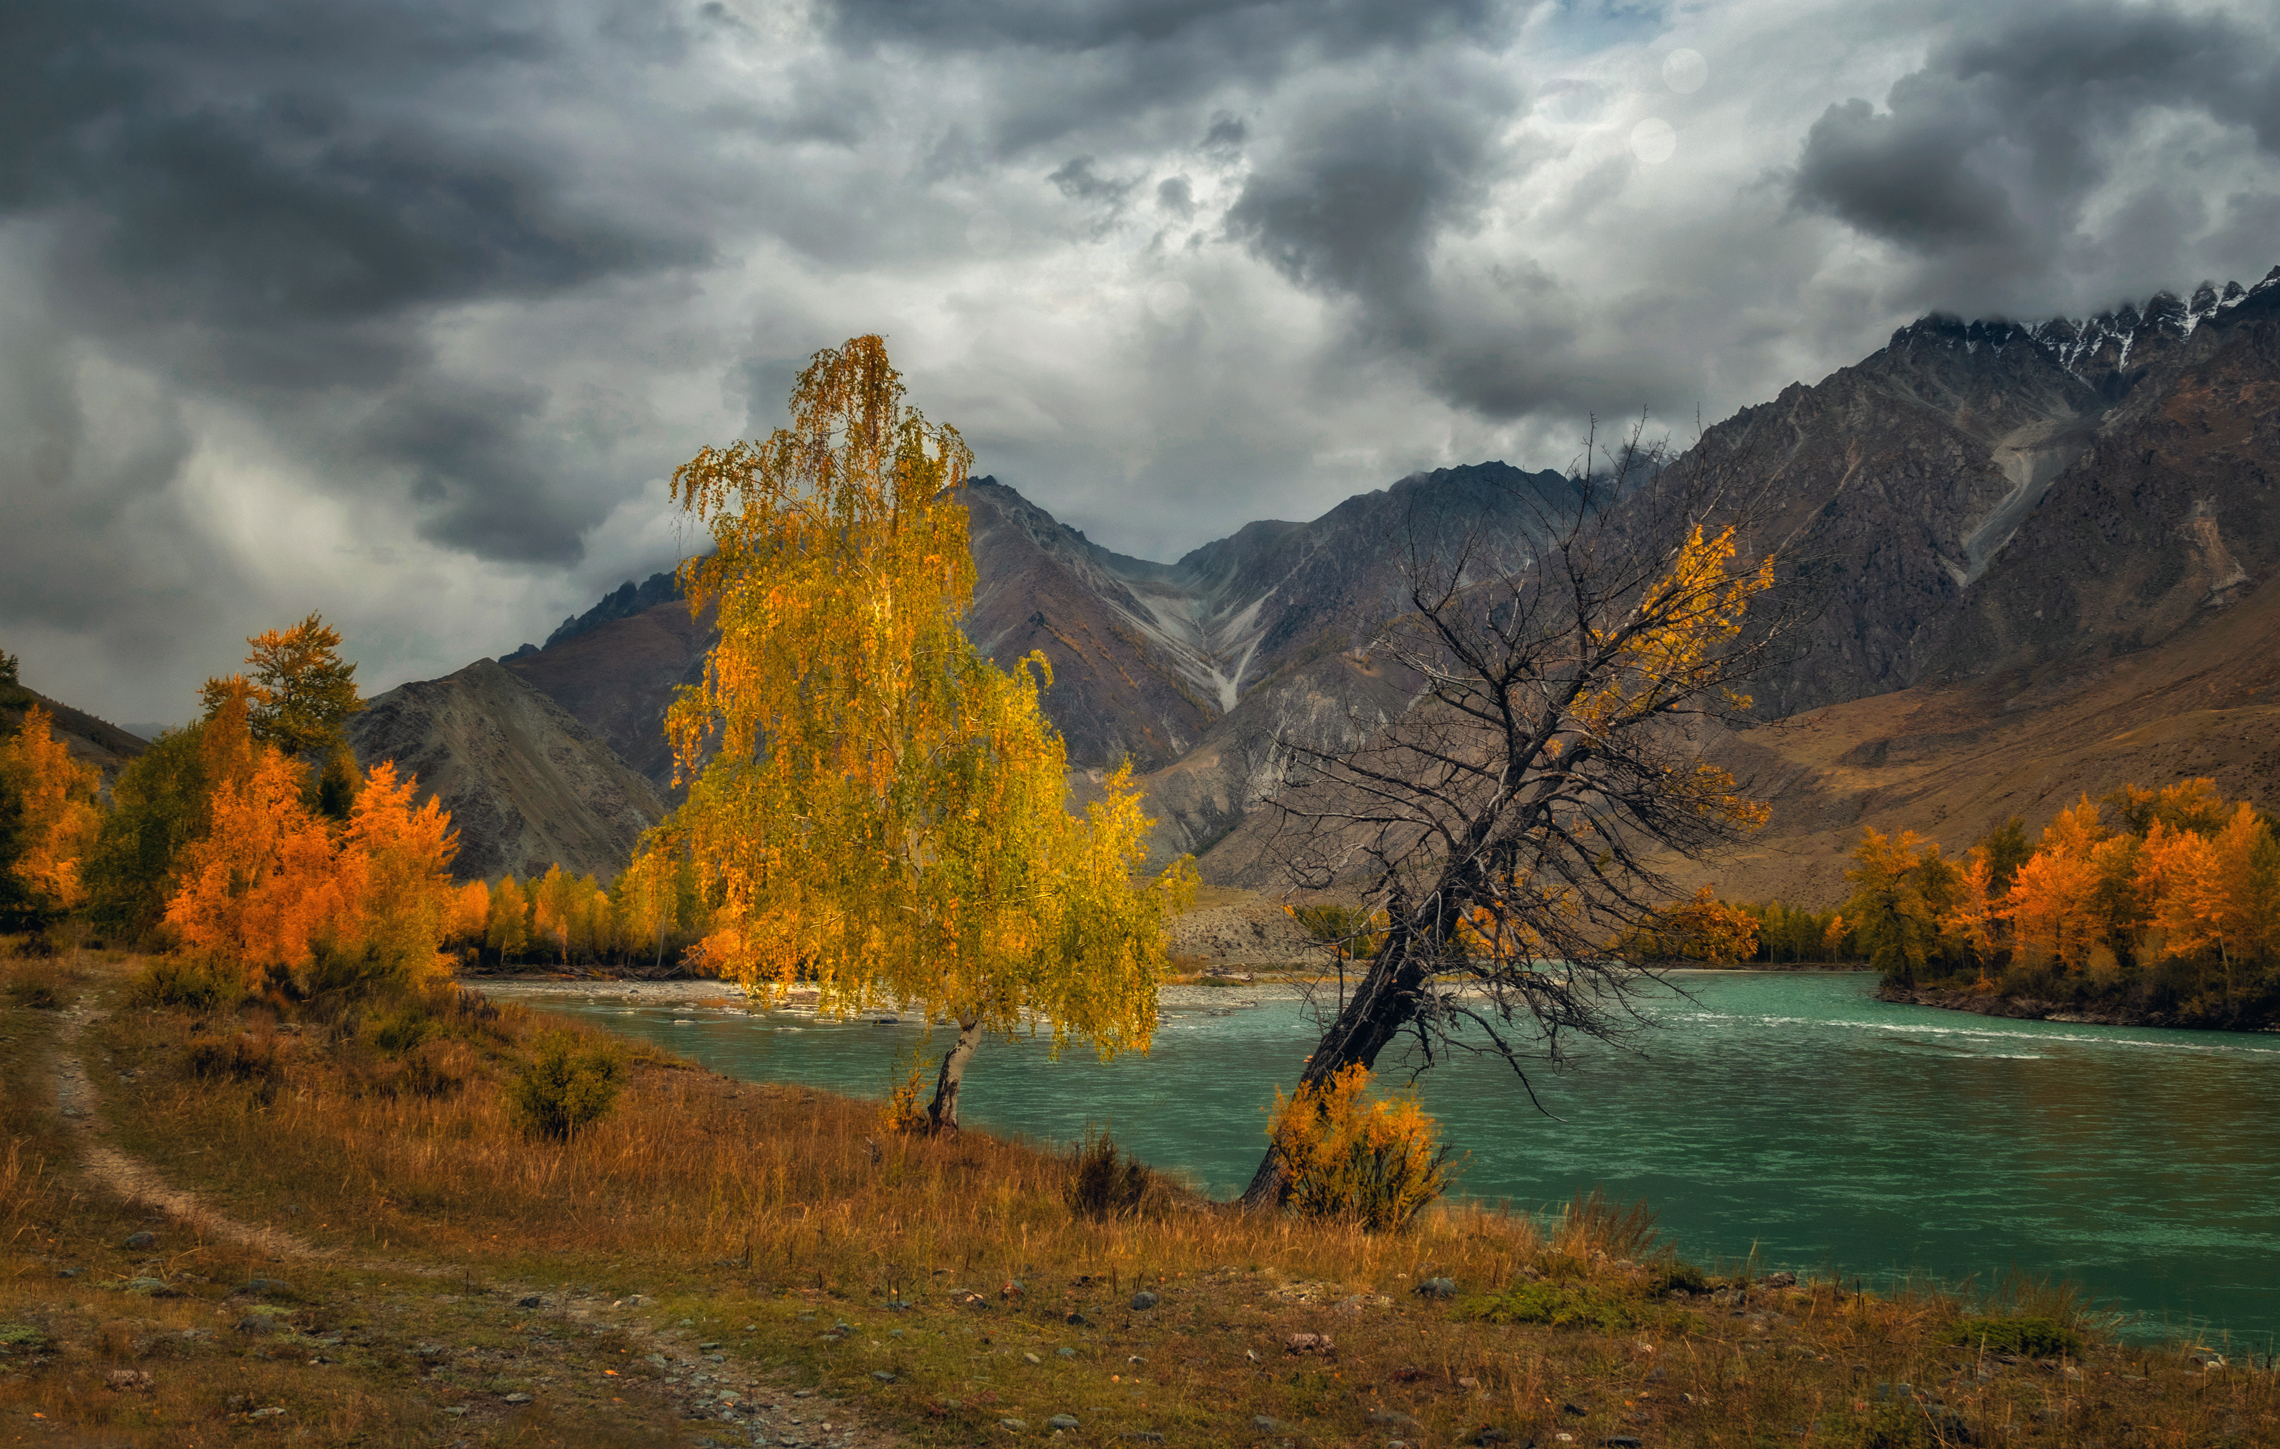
[(2108, 1013)]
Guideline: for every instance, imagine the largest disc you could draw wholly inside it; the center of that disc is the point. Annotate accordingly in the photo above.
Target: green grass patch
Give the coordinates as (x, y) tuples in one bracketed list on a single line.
[(2026, 1337), (1561, 1305)]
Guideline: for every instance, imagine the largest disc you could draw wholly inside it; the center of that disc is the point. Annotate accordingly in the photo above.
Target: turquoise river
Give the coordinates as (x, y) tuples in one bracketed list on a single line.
[(1791, 1115)]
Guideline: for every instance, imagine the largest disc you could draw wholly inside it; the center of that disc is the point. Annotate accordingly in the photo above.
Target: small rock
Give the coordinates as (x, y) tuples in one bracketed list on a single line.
[(1031, 1358), (257, 1324), (69, 1272), (124, 1380), (274, 1411), (533, 1301), (1572, 1410), (1468, 1383), (1078, 1320), (1266, 1425), (1779, 1280), (882, 1376), (1012, 1289), (268, 1288), (1308, 1343), (1490, 1435), (153, 1288), (135, 1241), (1135, 1359), (1437, 1288), (1621, 1441), (1014, 1426), (708, 1347), (1065, 1423), (1143, 1300), (1065, 1352), (518, 1398), (457, 1411)]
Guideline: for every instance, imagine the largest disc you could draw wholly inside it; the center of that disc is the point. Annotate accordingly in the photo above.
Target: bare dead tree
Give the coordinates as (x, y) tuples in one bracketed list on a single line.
[(1512, 826)]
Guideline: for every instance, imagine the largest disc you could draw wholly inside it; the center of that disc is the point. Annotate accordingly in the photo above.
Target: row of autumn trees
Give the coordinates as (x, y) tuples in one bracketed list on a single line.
[(2166, 897), (251, 840), (248, 840)]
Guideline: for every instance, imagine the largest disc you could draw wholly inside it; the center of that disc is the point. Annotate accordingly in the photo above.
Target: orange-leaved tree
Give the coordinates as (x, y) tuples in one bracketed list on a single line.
[(875, 810), (277, 889), (54, 800), (298, 701)]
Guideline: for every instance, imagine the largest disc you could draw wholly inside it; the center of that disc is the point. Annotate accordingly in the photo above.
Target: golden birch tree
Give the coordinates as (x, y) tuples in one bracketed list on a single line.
[(875, 811)]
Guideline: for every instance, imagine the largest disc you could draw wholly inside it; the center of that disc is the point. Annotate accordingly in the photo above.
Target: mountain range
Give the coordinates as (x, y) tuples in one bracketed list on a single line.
[(2045, 553)]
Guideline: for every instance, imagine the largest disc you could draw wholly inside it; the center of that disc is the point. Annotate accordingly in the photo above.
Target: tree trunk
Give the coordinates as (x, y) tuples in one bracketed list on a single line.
[(942, 1112), (1383, 1002)]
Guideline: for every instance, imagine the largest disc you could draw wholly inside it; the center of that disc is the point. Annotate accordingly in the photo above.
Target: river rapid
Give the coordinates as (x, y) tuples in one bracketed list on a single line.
[(1787, 1115)]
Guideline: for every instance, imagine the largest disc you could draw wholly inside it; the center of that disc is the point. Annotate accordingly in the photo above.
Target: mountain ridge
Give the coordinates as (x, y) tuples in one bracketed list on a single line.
[(1936, 491)]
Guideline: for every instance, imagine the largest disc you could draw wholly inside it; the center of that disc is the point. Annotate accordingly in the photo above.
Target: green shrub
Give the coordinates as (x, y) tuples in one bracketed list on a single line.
[(170, 981), (399, 1033), (565, 1085), (1684, 1277), (1104, 1182), (1560, 1305), (2026, 1337)]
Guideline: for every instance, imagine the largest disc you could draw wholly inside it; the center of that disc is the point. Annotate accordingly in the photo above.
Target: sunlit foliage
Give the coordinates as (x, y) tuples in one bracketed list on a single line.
[(1702, 928), (292, 899), (52, 799), (2167, 898), (299, 698), (1376, 1162), (874, 809)]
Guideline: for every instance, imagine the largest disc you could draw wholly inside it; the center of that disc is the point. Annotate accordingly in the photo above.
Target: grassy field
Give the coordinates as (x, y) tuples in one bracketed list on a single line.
[(352, 1242)]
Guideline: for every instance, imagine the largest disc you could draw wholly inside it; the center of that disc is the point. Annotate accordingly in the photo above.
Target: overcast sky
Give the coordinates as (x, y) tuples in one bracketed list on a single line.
[(404, 310)]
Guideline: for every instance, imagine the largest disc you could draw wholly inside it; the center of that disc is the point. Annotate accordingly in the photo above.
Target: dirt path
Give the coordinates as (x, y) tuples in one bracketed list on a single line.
[(110, 1170), (703, 1391)]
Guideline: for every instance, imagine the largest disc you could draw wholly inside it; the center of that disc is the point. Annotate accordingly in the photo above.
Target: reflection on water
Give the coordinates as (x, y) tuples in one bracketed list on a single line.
[(1793, 1114)]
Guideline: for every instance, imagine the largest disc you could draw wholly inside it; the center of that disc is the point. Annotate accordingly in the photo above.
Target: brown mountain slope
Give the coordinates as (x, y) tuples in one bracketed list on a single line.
[(2170, 514), (1116, 694), (91, 741), (526, 784), (617, 679), (1955, 760)]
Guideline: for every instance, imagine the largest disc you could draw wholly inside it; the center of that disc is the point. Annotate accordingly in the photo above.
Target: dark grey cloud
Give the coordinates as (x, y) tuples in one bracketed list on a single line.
[(1989, 154), (249, 196), (1083, 62), (1079, 182), (1272, 29), (1361, 189)]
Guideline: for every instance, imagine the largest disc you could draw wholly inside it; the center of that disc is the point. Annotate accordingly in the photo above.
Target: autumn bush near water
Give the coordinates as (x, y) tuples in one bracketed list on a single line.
[(1348, 1158)]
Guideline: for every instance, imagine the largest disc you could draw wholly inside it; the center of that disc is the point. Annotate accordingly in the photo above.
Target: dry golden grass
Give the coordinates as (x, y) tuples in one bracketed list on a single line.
[(763, 1217)]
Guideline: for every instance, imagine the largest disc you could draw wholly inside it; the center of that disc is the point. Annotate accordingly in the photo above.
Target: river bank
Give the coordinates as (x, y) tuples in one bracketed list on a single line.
[(1790, 1114), (2033, 1008), (722, 1262)]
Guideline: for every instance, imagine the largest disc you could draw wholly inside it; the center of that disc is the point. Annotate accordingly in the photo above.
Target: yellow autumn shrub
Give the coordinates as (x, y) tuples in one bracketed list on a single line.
[(1374, 1162)]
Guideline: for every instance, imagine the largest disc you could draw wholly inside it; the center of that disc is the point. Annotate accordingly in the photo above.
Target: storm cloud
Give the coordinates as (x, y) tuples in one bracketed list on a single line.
[(1986, 161), (405, 311)]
